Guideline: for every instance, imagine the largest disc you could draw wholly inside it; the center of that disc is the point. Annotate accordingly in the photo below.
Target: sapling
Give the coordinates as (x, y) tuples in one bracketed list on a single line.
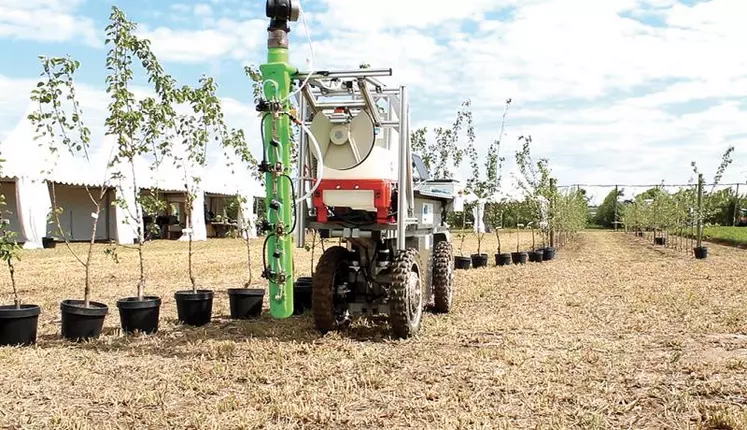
[(498, 239), (9, 250), (52, 122), (140, 127), (495, 217), (517, 234), (195, 131), (244, 226), (485, 185), (531, 226)]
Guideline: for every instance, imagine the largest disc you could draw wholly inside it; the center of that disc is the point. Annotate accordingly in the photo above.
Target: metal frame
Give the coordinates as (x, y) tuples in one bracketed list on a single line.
[(363, 91)]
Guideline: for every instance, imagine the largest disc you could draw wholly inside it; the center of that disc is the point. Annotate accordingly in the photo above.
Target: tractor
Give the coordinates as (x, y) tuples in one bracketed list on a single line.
[(358, 181)]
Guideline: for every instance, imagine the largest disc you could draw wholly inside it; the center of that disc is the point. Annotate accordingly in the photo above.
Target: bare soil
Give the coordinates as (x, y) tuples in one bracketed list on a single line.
[(614, 333)]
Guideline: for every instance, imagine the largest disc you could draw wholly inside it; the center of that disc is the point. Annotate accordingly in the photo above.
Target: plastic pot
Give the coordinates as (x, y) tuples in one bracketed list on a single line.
[(660, 241), (503, 259), (194, 308), (701, 252), (80, 323), (139, 315), (246, 303), (462, 263), (18, 326), (479, 260), (536, 256), (302, 294), (548, 254), (48, 242), (519, 257)]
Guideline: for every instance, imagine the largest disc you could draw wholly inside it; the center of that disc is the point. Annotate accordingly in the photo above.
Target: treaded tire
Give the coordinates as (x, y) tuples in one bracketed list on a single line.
[(404, 318), (443, 277), (322, 290)]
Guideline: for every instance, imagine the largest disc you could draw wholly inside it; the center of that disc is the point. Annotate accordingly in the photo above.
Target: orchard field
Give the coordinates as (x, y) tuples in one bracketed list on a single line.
[(613, 333)]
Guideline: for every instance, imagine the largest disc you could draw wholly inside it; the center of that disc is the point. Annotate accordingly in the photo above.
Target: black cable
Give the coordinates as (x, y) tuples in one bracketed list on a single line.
[(264, 252), (262, 130), (293, 197)]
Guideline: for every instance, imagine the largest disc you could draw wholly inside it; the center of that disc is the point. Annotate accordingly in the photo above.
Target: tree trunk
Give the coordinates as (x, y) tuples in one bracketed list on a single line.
[(12, 270)]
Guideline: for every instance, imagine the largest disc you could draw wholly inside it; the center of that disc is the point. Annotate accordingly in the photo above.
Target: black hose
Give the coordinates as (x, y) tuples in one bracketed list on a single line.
[(264, 251), (293, 197), (262, 130)]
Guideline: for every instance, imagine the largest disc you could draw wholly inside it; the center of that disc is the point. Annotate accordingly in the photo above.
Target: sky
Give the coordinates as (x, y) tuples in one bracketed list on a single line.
[(612, 92)]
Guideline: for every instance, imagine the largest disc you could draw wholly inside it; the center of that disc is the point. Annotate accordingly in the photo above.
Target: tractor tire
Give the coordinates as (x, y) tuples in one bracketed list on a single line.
[(406, 294), (443, 277), (332, 263)]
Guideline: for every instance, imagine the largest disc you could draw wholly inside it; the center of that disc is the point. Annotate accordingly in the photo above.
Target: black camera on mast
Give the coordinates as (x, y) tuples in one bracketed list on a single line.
[(282, 11)]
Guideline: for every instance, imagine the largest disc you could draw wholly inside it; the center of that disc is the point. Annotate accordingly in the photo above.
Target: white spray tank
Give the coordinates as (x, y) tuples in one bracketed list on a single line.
[(354, 149)]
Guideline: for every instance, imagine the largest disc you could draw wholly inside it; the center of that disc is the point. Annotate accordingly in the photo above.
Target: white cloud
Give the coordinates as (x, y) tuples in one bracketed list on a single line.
[(47, 21), (387, 14), (574, 68), (225, 38)]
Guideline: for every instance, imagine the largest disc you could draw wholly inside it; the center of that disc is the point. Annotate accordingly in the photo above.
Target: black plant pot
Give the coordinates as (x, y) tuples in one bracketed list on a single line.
[(548, 254), (701, 252), (462, 263), (245, 303), (503, 259), (139, 315), (48, 242), (80, 323), (479, 260), (302, 294), (660, 241), (195, 309), (536, 256), (18, 326), (519, 257)]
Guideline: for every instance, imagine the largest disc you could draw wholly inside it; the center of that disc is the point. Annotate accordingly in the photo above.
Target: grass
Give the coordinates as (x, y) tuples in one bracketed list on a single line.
[(735, 236), (614, 333)]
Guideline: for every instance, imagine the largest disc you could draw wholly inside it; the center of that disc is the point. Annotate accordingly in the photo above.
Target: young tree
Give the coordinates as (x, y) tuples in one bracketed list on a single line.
[(9, 250), (195, 129), (535, 182), (63, 129), (484, 185), (713, 201), (142, 128), (445, 151)]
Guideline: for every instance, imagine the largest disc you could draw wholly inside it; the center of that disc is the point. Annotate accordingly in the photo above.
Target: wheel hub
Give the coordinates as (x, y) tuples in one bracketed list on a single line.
[(413, 291)]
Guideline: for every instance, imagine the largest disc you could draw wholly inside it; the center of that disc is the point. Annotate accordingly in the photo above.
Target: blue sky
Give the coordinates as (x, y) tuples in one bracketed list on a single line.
[(619, 91)]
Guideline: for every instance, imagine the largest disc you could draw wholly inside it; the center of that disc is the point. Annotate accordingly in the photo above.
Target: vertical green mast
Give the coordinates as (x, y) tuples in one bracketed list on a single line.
[(276, 74)]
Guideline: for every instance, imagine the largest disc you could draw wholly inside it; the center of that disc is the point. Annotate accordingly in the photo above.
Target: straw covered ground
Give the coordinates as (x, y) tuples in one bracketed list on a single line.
[(612, 334)]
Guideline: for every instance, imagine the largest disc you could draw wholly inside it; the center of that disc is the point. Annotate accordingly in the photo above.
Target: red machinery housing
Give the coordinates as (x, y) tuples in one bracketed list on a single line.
[(382, 196)]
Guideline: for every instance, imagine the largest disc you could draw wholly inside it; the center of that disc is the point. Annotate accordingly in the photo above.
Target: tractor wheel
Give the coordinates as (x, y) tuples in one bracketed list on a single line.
[(332, 266), (443, 277), (405, 294)]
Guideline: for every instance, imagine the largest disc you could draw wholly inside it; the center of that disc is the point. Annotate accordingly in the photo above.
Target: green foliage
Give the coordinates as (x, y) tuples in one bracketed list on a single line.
[(446, 149), (485, 184), (565, 212), (606, 216), (534, 180), (64, 128)]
